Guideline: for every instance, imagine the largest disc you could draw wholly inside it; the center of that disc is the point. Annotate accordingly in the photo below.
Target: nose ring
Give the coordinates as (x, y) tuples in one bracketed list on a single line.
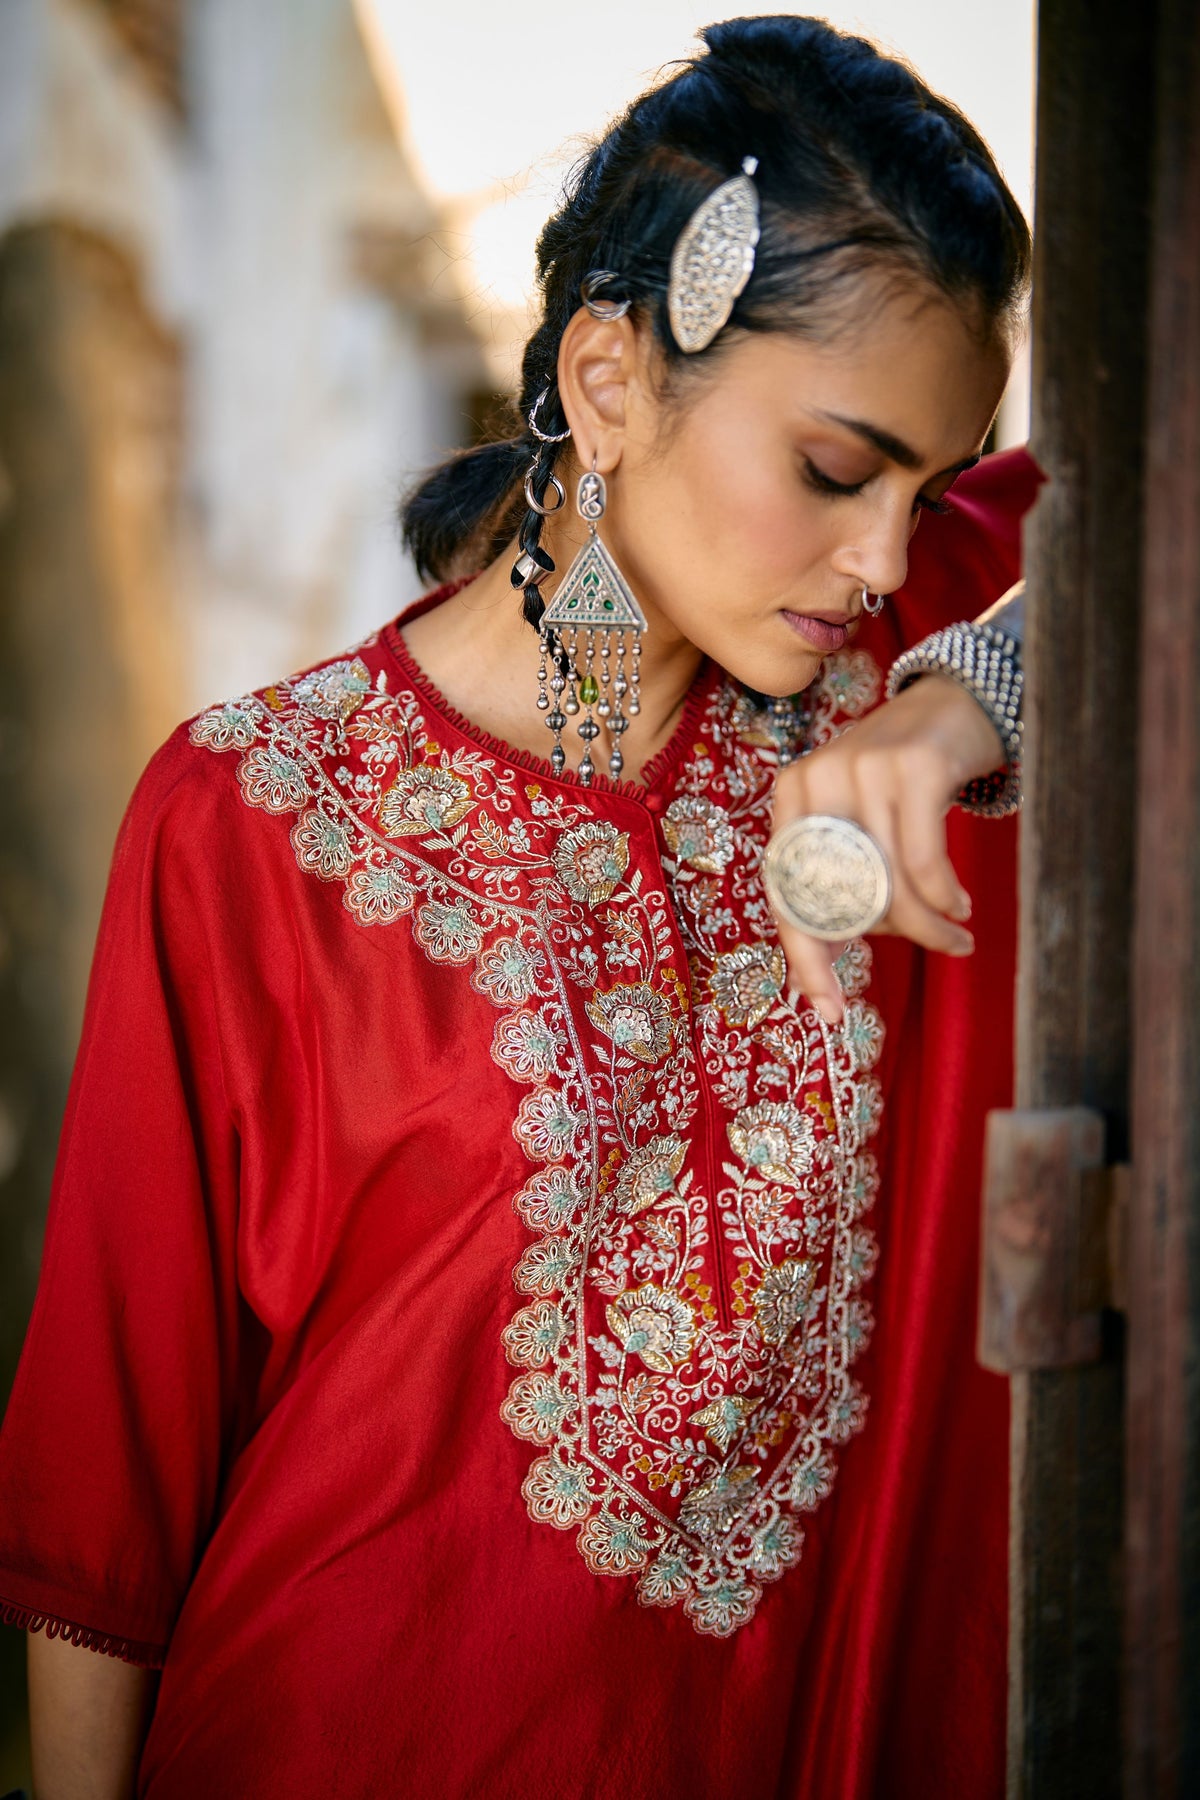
[(873, 603)]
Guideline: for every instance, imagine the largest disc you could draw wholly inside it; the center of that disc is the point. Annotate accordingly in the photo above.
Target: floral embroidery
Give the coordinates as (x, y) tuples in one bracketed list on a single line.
[(862, 1034), (649, 1173), (378, 894), (548, 1200), (232, 726), (272, 779), (449, 933), (746, 982), (782, 1298), (860, 1261), (866, 1108), (636, 1019), (775, 1139), (812, 1483), (853, 968), (849, 682), (534, 1335), (699, 833), (546, 1267), (776, 1547), (557, 1491), (323, 846), (527, 1045), (424, 799), (508, 971), (848, 1414), (665, 1582), (713, 1506), (613, 1546), (336, 691), (683, 1333), (536, 1407), (545, 1125), (654, 1325), (591, 860)]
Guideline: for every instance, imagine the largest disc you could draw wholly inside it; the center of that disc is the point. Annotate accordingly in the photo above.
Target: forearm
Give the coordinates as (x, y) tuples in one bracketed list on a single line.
[(88, 1715)]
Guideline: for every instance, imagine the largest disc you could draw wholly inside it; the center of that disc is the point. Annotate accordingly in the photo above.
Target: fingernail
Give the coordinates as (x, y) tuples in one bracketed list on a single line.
[(962, 907), (963, 945)]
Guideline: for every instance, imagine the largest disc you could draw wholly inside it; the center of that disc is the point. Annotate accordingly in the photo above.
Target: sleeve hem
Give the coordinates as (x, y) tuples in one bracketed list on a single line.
[(27, 1618)]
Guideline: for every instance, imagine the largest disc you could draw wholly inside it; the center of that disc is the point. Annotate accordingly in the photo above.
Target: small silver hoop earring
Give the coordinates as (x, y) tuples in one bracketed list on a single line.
[(531, 499), (878, 599), (544, 437), (599, 304)]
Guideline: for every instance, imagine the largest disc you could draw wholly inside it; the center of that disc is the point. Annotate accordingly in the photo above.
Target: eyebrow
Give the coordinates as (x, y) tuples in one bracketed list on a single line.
[(894, 448)]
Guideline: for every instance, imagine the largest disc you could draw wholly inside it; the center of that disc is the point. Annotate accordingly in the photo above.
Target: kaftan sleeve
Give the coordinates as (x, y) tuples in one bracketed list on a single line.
[(112, 1444)]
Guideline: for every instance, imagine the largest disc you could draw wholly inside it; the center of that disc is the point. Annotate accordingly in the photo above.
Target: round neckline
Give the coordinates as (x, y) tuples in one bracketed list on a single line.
[(661, 764)]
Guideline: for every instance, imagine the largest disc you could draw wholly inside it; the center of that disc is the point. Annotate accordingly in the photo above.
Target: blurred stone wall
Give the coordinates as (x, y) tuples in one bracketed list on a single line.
[(228, 336), (90, 428)]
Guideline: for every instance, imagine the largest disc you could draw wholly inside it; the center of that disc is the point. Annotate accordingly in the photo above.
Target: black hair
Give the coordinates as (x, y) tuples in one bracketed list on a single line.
[(860, 168)]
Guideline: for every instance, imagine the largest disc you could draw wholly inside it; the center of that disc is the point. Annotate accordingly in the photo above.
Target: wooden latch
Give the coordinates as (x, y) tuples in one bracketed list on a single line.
[(1053, 1239)]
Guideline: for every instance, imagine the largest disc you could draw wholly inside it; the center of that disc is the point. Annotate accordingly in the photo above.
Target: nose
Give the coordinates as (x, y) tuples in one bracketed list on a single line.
[(879, 562)]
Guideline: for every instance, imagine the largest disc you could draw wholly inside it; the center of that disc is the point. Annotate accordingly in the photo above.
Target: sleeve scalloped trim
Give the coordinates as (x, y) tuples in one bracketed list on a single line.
[(26, 1618)]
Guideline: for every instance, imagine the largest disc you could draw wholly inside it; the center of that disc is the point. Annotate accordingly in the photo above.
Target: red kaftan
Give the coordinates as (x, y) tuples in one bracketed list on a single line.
[(647, 1482)]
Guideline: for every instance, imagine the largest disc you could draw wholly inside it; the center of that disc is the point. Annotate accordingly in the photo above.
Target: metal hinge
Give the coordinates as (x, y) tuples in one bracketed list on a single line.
[(1053, 1253)]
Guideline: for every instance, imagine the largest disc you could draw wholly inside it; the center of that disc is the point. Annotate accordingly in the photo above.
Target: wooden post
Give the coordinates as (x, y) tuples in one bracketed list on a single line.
[(1083, 560), (1163, 1415)]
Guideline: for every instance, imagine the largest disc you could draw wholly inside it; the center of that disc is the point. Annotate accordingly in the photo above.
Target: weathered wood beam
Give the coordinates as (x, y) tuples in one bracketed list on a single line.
[(1162, 1589), (1083, 559)]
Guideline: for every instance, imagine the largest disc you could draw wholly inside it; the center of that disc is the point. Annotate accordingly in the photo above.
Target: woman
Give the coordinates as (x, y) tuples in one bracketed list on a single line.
[(451, 1365)]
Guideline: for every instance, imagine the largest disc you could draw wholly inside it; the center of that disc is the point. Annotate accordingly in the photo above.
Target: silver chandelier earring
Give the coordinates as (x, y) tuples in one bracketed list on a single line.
[(591, 634), (873, 603)]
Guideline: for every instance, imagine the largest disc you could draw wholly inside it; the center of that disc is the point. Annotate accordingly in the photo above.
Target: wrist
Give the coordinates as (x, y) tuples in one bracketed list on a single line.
[(985, 662), (966, 735)]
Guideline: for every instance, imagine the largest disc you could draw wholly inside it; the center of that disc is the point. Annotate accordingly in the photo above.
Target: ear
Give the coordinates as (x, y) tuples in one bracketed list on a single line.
[(598, 366)]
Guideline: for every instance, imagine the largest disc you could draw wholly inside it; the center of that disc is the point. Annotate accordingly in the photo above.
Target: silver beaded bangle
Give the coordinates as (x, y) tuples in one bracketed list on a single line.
[(986, 660)]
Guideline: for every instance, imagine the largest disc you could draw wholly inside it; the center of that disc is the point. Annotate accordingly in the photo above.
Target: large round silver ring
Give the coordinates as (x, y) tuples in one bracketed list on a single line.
[(827, 876)]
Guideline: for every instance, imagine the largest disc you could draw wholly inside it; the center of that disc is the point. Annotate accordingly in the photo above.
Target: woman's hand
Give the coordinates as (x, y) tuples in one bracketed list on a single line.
[(897, 774)]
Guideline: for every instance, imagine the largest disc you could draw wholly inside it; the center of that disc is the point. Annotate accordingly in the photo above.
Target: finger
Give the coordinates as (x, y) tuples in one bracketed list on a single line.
[(909, 915), (922, 852), (810, 970)]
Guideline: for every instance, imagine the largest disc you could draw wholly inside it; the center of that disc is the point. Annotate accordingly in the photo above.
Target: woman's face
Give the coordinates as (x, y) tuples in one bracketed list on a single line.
[(749, 519)]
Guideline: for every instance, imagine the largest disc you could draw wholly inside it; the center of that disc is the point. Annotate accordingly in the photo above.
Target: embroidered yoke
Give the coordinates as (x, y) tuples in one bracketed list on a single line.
[(691, 1302)]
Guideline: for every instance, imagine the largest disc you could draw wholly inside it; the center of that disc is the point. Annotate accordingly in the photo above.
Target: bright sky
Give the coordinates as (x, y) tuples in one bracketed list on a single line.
[(494, 97)]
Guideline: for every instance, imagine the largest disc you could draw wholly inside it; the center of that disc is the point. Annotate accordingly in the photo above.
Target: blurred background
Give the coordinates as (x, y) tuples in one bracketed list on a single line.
[(261, 261)]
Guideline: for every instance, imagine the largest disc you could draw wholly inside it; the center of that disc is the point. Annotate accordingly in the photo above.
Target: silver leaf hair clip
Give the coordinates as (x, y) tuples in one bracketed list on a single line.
[(713, 260)]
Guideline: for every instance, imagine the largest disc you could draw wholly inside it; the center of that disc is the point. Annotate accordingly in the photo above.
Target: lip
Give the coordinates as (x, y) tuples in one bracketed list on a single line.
[(824, 631)]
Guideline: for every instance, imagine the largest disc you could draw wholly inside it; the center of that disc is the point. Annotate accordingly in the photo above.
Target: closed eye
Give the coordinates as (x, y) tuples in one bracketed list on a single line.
[(821, 483), (825, 484)]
